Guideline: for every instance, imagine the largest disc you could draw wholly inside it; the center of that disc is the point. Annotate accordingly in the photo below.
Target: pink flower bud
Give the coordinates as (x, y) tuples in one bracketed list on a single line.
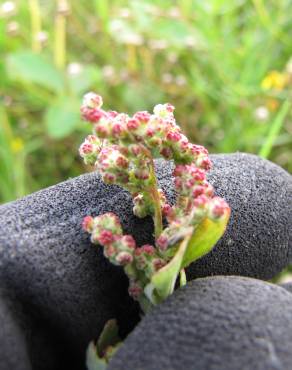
[(148, 249), (92, 115), (124, 258), (173, 136), (109, 251), (92, 100), (142, 116), (204, 162), (109, 178), (106, 237), (128, 241), (218, 208), (142, 173), (166, 153), (162, 242), (179, 170), (86, 148), (198, 190), (87, 224), (122, 162), (201, 201), (135, 290), (132, 124), (135, 149), (158, 263)]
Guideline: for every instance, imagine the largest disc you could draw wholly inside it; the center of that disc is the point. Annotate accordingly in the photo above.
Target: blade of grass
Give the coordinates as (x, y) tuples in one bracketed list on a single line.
[(274, 130)]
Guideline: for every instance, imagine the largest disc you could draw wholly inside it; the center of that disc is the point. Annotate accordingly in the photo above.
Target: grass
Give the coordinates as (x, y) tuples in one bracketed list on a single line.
[(224, 65)]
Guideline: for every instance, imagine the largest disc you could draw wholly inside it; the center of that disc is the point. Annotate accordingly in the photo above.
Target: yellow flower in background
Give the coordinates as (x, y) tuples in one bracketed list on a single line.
[(16, 144), (274, 80)]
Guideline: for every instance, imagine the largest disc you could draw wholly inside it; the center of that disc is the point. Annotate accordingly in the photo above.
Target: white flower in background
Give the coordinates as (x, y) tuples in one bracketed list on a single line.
[(12, 28), (190, 42), (262, 113), (180, 80), (42, 37), (158, 44), (167, 78), (124, 13), (74, 69), (7, 9), (108, 72), (174, 12), (172, 57), (133, 39)]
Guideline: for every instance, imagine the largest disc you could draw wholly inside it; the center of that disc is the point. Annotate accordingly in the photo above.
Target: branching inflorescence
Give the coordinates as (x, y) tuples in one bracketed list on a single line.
[(123, 149)]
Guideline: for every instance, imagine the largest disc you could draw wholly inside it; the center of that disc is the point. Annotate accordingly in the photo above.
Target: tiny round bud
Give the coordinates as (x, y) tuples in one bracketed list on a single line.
[(135, 290), (129, 241), (173, 136), (92, 100), (142, 116), (162, 242), (87, 224), (124, 258), (158, 263), (92, 115), (148, 249), (132, 124), (106, 237), (217, 208)]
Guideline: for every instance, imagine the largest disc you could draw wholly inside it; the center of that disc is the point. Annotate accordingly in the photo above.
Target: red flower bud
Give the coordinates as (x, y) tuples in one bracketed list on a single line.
[(162, 242), (148, 249), (142, 116), (106, 237), (92, 115), (129, 241), (132, 124), (87, 224), (217, 208), (173, 136), (124, 258)]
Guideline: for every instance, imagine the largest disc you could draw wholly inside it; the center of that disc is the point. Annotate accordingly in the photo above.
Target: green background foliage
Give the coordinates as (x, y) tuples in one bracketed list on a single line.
[(224, 64)]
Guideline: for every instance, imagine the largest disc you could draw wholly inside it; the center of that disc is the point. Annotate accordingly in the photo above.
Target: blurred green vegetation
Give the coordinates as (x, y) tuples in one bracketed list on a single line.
[(225, 65)]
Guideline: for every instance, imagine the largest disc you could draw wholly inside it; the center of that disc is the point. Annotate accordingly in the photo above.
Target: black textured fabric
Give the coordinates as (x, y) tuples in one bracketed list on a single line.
[(69, 290), (214, 323), (287, 286)]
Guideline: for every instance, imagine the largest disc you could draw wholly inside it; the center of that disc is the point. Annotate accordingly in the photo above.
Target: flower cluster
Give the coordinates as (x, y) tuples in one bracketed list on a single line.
[(123, 148), (158, 133)]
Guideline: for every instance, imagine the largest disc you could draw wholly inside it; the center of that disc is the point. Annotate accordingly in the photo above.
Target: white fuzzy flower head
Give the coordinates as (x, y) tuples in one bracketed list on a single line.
[(262, 113)]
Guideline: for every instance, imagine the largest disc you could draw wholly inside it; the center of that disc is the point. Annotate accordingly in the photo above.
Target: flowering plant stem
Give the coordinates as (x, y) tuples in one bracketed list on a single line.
[(157, 218), (123, 150)]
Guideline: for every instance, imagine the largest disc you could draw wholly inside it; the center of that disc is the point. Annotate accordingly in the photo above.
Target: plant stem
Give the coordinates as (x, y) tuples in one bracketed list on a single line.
[(274, 130), (157, 217), (60, 40), (182, 277), (35, 16)]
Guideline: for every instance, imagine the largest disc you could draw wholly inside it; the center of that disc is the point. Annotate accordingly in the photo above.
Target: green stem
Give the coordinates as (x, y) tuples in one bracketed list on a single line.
[(35, 16), (60, 40), (182, 277), (157, 217)]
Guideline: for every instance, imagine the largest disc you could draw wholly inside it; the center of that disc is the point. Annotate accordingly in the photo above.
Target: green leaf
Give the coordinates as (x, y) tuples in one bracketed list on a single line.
[(93, 362), (164, 280), (204, 238), (62, 117), (34, 68), (109, 337), (97, 357), (196, 243)]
